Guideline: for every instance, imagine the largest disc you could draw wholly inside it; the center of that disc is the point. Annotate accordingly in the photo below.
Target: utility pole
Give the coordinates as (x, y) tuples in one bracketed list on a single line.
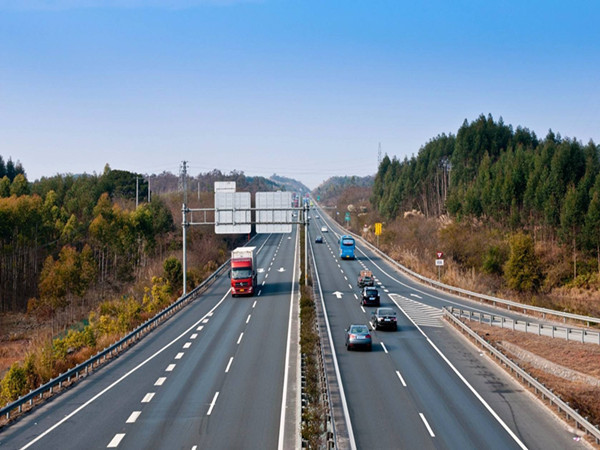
[(137, 191), (183, 184), (148, 188)]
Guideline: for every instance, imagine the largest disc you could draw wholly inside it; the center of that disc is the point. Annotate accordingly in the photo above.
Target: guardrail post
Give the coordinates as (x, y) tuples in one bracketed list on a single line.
[(553, 328), (539, 329), (501, 321), (568, 333), (582, 336), (513, 324)]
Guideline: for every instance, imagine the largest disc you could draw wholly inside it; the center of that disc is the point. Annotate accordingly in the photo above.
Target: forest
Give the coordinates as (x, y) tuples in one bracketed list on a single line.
[(508, 178)]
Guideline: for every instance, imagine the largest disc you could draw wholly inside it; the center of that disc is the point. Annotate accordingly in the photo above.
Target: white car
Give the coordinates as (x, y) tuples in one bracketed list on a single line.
[(324, 230)]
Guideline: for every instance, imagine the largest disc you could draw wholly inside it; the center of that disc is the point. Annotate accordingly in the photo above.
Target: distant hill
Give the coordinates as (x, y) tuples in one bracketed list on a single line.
[(333, 187), (289, 184)]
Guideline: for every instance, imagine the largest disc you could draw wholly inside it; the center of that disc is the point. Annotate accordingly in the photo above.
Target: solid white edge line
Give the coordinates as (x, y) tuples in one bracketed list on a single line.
[(114, 443), (463, 379), (212, 405), (287, 352), (228, 364), (335, 362), (384, 347), (135, 369), (401, 379), (427, 425), (240, 338), (133, 417)]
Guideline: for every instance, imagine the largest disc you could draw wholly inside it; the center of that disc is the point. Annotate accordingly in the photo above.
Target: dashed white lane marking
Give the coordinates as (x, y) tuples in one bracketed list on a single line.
[(209, 314), (187, 345), (423, 315), (266, 276), (401, 379), (133, 417), (170, 368), (259, 292), (200, 328), (240, 338), (254, 304), (356, 296), (263, 283), (363, 309), (384, 347), (194, 336), (386, 290), (114, 443), (229, 364), (248, 318), (205, 320), (148, 397), (427, 425), (160, 381), (345, 277), (179, 355), (349, 285), (212, 405)]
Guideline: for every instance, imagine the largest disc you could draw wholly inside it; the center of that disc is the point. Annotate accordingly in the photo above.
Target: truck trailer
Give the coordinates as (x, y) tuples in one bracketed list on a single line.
[(243, 271)]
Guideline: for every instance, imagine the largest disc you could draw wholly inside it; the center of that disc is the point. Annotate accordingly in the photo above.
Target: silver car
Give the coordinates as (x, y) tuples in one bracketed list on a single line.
[(358, 336)]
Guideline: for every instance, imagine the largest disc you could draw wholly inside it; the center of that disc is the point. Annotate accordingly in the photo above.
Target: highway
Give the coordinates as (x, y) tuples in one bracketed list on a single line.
[(423, 386), (220, 374), (213, 376)]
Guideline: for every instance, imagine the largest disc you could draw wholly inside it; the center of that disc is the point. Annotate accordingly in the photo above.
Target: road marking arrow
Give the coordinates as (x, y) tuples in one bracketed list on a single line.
[(338, 294)]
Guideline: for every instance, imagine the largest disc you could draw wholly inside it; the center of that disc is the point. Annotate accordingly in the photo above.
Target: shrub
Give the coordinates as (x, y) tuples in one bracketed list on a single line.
[(522, 268), (14, 384)]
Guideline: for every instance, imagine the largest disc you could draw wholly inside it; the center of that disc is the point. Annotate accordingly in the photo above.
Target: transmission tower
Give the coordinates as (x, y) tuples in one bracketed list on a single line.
[(182, 185)]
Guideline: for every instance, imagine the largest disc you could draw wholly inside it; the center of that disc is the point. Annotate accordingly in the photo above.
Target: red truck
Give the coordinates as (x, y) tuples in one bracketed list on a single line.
[(243, 271)]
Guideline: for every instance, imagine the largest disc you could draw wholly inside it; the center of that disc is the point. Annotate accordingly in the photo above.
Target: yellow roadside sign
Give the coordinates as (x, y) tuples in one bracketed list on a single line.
[(378, 228)]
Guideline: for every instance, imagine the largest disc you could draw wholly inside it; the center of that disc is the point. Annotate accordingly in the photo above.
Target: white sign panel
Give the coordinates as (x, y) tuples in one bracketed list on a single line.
[(232, 213), (273, 214), (225, 186), (439, 262)]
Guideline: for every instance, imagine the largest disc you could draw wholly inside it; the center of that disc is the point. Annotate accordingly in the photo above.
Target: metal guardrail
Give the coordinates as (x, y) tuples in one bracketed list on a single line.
[(116, 348), (482, 297), (539, 388), (541, 329)]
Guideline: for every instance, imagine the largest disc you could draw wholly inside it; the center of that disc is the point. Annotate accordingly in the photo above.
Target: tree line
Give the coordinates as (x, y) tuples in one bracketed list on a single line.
[(550, 187)]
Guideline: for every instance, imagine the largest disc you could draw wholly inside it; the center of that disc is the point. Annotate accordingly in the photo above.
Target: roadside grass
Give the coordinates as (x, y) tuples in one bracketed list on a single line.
[(583, 358)]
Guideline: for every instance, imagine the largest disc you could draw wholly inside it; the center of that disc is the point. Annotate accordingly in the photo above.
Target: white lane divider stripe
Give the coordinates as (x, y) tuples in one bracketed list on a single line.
[(248, 319), (427, 425), (363, 309), (160, 381), (356, 296), (148, 397), (401, 379), (194, 336), (116, 440), (229, 364), (384, 347), (187, 345), (179, 355), (212, 405), (254, 304), (205, 321), (240, 338), (200, 328), (133, 417), (170, 368)]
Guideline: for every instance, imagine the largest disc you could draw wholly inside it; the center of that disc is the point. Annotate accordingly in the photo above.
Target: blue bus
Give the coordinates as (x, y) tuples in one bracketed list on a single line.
[(347, 246)]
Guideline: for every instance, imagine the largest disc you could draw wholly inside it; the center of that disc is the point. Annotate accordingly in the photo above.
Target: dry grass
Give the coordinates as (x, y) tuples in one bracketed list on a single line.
[(584, 358)]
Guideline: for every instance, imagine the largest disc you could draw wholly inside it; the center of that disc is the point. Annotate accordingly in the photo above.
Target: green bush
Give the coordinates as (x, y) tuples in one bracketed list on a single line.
[(14, 384), (522, 270)]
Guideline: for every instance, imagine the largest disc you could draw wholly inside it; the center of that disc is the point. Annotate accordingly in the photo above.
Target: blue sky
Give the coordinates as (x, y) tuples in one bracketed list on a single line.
[(306, 89)]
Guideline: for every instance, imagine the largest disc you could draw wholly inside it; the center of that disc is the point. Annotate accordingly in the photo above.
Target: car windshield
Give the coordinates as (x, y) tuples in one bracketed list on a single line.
[(387, 312), (237, 274), (371, 291), (348, 242), (359, 329)]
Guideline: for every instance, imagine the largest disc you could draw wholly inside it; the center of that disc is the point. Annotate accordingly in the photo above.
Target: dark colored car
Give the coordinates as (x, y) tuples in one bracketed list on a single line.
[(358, 336), (370, 297), (384, 318), (365, 278), (319, 239)]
